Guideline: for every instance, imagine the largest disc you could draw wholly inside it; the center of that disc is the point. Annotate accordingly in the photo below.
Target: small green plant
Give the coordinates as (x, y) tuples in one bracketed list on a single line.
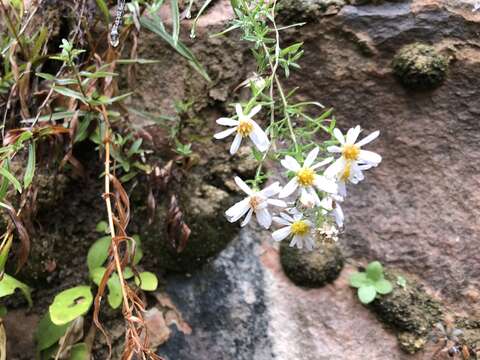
[(370, 283)]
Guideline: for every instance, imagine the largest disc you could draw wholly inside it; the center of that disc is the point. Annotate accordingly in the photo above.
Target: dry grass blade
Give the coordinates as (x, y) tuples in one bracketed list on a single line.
[(22, 234)]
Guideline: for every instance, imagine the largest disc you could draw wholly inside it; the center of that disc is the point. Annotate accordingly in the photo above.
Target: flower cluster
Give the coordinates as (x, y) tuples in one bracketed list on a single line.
[(312, 195)]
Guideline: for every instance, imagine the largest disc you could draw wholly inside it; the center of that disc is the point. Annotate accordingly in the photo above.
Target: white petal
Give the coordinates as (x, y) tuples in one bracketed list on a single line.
[(287, 217), (368, 138), (271, 190), (308, 242), (314, 195), (276, 202), (242, 185), (238, 109), (227, 122), (264, 218), (290, 163), (365, 166), (342, 189), (235, 144), (259, 138), (280, 221), (306, 199), (352, 135), (247, 218), (289, 188), (324, 184), (356, 173), (224, 133), (312, 155), (370, 157), (296, 241), (322, 163), (254, 111), (336, 168), (238, 210), (338, 215), (334, 149), (339, 136), (281, 234)]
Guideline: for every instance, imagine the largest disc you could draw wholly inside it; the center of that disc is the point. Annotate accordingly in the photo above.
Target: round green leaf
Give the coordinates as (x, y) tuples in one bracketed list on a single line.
[(79, 352), (47, 333), (127, 273), (148, 281), (114, 291), (102, 227), (70, 304), (359, 279), (383, 286), (375, 270), (9, 284), (367, 294), (98, 253), (97, 275)]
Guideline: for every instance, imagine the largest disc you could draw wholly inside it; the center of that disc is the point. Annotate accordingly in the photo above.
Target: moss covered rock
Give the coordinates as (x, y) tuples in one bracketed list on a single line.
[(410, 311), (420, 66), (307, 10), (312, 268)]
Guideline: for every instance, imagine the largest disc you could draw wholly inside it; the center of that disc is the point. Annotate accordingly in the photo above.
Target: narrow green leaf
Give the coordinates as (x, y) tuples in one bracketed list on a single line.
[(97, 74), (175, 21), (5, 182), (367, 294), (137, 61), (5, 250), (70, 93), (200, 12), (70, 304), (147, 281), (7, 175), (30, 170), (102, 5)]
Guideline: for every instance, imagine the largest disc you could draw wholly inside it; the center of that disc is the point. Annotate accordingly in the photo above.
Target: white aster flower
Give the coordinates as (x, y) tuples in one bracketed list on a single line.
[(256, 202), (301, 230), (352, 154), (351, 172), (243, 127), (307, 179)]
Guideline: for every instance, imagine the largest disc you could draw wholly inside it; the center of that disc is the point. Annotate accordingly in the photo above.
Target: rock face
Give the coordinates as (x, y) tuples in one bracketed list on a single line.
[(418, 211)]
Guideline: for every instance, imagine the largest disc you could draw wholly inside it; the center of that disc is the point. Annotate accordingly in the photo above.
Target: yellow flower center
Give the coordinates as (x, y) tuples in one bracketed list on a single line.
[(254, 201), (346, 172), (350, 152), (300, 227), (306, 176), (245, 127)]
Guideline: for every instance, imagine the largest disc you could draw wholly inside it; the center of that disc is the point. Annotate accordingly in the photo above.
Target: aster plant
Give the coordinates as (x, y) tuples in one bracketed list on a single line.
[(314, 157)]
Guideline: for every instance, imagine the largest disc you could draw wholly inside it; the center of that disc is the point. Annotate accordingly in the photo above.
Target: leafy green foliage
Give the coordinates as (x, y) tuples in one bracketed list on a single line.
[(147, 281), (370, 283), (48, 333), (70, 304), (9, 284)]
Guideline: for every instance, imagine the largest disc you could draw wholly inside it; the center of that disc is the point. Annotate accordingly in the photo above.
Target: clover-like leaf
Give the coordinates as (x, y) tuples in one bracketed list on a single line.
[(383, 286), (367, 294), (359, 279), (375, 270), (70, 304), (147, 281), (47, 333), (102, 227), (114, 296), (127, 273), (9, 284), (97, 275), (98, 253)]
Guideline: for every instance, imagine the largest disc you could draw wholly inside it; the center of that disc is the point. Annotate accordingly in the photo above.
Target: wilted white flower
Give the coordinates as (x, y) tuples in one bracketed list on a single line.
[(302, 230), (332, 206), (307, 179), (352, 172), (243, 127), (352, 154), (256, 202)]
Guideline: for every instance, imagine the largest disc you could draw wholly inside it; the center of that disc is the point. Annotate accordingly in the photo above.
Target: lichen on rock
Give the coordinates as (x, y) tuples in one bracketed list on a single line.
[(312, 268), (420, 66), (308, 10), (410, 310)]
